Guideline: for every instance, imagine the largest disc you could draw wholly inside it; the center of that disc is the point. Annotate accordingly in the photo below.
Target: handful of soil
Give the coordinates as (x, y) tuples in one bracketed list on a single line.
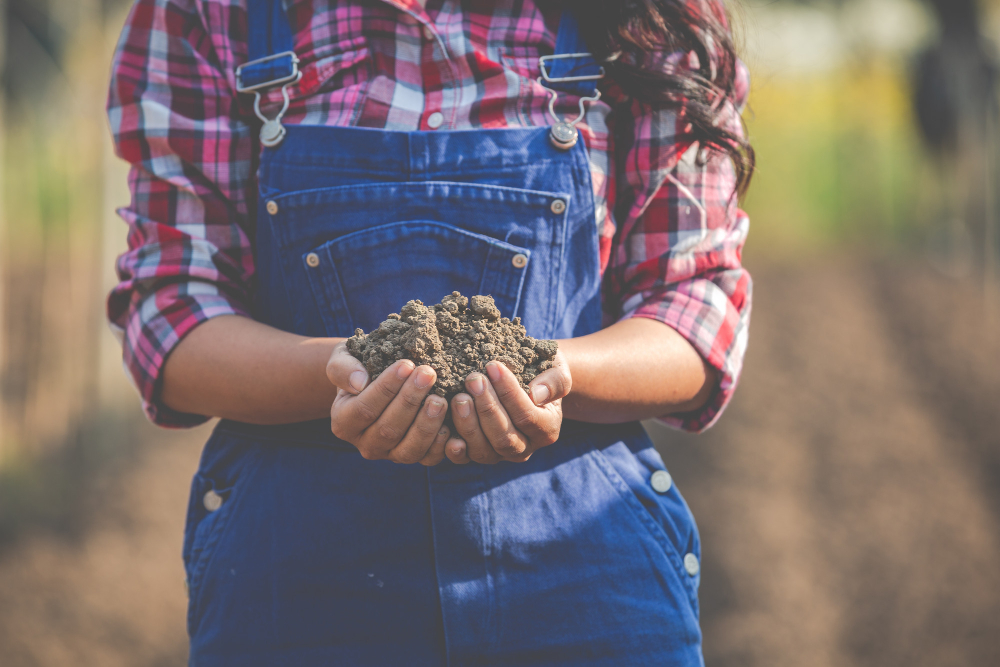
[(456, 337)]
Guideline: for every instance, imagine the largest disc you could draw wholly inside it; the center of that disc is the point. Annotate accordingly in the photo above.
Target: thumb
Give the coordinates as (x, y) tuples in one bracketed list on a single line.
[(345, 371)]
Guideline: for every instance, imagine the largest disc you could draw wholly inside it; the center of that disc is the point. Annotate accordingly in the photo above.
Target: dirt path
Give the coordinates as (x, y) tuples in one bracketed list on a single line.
[(110, 594), (849, 501)]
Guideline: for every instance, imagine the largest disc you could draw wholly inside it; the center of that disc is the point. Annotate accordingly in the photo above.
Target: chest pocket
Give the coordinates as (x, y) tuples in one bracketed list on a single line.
[(359, 278), (353, 254)]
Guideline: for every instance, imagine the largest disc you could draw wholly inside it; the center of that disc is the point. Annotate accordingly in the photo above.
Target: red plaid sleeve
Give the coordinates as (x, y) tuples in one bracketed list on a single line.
[(172, 112), (676, 256)]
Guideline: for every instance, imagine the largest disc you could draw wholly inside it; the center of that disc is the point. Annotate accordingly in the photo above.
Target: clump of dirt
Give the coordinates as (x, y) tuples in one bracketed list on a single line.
[(456, 337)]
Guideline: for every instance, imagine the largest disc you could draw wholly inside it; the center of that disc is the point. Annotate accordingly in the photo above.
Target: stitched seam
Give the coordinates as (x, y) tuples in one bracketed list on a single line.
[(655, 530)]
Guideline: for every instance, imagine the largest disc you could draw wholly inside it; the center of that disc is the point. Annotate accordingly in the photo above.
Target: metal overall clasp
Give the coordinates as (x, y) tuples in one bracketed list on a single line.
[(564, 134), (272, 132)]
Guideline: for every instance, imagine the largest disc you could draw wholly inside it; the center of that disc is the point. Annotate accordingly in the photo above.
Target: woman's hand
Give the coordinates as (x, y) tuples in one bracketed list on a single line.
[(500, 422), (392, 418)]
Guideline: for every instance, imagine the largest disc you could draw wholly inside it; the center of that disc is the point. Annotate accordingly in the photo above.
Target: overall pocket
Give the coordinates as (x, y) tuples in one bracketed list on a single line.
[(357, 279), (664, 515), (352, 254), (216, 491)]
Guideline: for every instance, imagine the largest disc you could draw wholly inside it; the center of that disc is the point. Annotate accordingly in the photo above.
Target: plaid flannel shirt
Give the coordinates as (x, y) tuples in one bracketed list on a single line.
[(670, 232)]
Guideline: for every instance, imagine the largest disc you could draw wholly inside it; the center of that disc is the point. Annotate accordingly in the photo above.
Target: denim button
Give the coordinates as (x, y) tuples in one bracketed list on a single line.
[(691, 564), (212, 500), (312, 259), (519, 261), (558, 206), (435, 120), (272, 207), (660, 481)]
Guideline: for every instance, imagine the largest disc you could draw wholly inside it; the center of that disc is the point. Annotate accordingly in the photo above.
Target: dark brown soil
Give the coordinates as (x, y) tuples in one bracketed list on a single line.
[(456, 337)]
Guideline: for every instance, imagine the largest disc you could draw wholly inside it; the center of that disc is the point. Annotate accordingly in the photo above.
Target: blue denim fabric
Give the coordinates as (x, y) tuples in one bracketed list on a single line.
[(319, 557)]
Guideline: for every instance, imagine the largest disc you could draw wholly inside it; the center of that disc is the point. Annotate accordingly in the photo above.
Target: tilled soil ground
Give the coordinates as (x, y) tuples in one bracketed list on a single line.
[(849, 501)]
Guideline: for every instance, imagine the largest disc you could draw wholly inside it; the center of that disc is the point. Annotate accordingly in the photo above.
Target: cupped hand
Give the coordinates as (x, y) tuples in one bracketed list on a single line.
[(392, 417), (497, 421)]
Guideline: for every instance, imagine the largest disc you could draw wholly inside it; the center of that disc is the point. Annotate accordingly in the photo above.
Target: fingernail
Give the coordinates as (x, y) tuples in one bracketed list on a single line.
[(477, 385), (404, 370), (457, 448), (493, 370), (539, 393), (358, 380), (443, 431), (425, 378), (463, 408), (434, 408)]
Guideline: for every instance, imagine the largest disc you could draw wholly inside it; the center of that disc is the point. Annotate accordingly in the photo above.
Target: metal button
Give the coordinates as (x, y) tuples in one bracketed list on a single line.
[(558, 206), (212, 500), (661, 481), (519, 261), (272, 207), (691, 564), (435, 120), (312, 259), (563, 136), (429, 33)]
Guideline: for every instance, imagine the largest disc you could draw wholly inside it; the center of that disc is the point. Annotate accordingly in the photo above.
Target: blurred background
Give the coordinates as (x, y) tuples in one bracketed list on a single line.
[(849, 501)]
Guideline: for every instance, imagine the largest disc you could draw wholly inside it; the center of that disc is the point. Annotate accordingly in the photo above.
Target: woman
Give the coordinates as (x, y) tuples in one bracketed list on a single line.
[(403, 149)]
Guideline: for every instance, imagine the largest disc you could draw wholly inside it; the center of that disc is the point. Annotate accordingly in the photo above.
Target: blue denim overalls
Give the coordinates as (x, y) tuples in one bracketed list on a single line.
[(300, 552)]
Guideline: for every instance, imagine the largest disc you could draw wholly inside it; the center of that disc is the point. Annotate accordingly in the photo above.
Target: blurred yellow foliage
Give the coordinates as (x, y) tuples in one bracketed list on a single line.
[(839, 159)]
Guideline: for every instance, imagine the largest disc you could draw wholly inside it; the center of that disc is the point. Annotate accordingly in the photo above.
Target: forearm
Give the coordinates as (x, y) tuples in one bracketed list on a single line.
[(236, 368), (635, 369)]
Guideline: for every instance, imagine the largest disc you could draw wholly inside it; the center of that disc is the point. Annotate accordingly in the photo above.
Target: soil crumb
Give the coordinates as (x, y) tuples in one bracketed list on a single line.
[(455, 337)]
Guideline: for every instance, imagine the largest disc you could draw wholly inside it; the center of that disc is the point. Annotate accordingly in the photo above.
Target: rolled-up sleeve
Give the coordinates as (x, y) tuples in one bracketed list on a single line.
[(173, 116), (677, 255)]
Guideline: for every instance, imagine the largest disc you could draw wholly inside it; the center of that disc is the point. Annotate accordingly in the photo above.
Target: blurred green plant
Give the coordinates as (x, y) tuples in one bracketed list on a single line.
[(839, 160)]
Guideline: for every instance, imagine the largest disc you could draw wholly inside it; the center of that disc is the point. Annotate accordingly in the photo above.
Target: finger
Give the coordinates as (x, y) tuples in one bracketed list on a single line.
[(345, 371), (493, 418), (394, 422), (436, 453), (526, 417), (352, 415), (477, 446), (551, 385), (422, 432), (457, 451)]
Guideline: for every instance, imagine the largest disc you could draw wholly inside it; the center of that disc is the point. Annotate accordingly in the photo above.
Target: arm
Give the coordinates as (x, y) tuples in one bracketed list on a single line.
[(236, 368), (189, 257), (636, 369)]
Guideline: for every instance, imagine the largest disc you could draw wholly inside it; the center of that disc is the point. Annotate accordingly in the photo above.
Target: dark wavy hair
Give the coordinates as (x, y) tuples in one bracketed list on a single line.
[(631, 34)]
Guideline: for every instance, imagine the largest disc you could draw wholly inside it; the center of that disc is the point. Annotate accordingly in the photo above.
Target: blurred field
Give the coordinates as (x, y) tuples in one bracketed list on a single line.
[(849, 501)]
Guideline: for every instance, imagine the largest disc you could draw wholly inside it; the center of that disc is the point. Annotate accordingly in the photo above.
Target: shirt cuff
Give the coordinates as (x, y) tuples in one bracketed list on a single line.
[(717, 329), (156, 325)]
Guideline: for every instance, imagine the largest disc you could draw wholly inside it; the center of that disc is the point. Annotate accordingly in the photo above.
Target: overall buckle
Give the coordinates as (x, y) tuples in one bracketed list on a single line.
[(272, 132), (564, 134), (544, 60)]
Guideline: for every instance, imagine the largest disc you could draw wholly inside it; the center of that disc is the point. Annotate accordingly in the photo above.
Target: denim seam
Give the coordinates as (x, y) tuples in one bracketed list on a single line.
[(655, 530), (208, 550)]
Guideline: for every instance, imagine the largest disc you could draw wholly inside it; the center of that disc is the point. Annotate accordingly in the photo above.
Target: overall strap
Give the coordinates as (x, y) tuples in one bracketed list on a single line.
[(572, 68), (270, 47), (269, 32)]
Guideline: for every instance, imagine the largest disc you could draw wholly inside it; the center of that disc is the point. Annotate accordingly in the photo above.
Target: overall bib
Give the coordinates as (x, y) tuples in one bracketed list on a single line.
[(300, 552)]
